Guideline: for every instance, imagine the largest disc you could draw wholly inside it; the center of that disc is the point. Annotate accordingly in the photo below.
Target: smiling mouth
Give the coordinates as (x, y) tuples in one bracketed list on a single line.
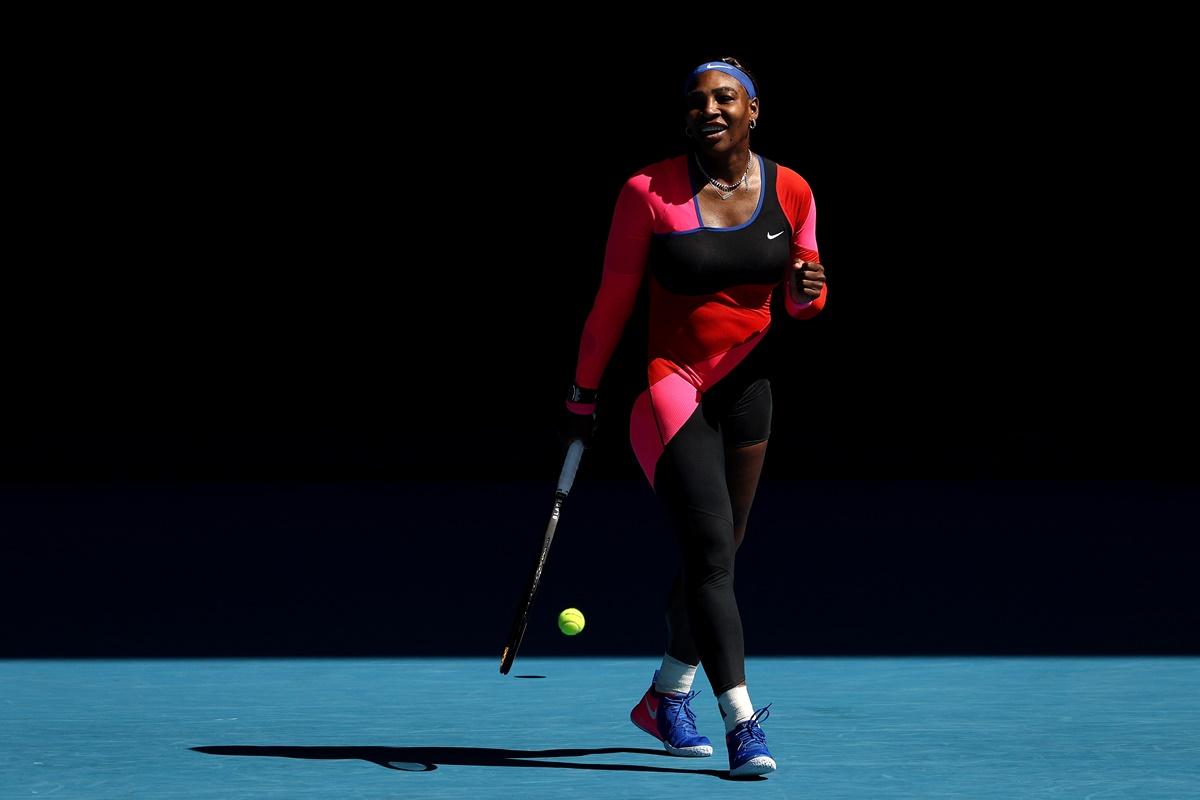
[(712, 132)]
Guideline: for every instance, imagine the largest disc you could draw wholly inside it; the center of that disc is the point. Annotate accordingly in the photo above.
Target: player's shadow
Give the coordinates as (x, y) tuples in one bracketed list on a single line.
[(425, 759)]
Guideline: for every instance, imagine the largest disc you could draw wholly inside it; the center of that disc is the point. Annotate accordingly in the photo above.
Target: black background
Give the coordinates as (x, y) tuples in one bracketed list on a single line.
[(282, 372)]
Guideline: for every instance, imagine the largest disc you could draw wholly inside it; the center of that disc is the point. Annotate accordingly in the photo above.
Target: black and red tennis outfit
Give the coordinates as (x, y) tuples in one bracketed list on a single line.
[(709, 307)]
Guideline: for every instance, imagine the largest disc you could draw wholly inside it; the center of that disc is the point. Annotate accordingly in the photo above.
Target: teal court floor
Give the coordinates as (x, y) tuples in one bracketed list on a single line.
[(938, 727)]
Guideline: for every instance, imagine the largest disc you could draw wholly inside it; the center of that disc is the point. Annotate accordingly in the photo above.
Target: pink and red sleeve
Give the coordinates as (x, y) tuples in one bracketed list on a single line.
[(797, 200), (624, 266)]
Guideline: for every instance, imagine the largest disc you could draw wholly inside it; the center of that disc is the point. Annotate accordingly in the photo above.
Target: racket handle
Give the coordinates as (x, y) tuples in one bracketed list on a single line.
[(570, 465)]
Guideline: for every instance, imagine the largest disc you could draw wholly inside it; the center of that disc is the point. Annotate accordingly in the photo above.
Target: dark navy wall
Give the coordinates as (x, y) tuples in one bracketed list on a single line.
[(392, 568)]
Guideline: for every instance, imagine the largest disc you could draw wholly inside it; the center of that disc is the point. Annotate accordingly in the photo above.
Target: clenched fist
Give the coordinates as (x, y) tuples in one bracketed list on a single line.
[(807, 279)]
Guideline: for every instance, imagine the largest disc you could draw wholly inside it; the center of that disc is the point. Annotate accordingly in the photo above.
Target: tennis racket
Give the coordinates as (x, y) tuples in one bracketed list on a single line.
[(517, 633)]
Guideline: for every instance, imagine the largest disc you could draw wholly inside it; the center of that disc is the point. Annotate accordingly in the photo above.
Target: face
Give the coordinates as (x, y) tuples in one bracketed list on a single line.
[(719, 112)]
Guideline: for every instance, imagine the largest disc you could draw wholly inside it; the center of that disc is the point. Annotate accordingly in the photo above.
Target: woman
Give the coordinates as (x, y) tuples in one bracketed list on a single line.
[(714, 231)]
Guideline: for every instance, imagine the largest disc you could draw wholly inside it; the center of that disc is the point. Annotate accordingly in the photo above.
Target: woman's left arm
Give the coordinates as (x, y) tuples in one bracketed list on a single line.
[(806, 290)]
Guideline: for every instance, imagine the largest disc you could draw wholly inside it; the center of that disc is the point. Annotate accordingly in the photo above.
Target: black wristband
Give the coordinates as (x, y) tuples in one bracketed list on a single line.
[(576, 394)]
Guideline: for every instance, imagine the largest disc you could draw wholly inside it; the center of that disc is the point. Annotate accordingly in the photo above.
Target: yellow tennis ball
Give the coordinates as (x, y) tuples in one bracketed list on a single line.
[(570, 621)]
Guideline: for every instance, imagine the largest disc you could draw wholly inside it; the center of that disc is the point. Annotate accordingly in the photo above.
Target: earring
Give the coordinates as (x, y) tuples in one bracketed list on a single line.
[(753, 124), (687, 131)]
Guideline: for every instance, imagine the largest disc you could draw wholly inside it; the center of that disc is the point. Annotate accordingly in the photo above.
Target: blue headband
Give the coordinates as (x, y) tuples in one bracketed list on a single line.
[(728, 69)]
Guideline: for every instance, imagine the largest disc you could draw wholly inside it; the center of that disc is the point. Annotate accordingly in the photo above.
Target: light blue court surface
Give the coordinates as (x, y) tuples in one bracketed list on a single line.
[(455, 728)]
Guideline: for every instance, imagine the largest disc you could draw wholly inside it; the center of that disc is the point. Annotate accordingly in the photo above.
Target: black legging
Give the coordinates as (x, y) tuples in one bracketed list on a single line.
[(693, 479)]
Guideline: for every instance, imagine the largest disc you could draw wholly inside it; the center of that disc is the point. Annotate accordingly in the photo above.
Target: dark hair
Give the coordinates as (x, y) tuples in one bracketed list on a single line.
[(733, 62)]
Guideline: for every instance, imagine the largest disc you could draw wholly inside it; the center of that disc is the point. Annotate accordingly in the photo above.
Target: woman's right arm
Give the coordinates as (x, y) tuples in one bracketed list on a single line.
[(624, 266)]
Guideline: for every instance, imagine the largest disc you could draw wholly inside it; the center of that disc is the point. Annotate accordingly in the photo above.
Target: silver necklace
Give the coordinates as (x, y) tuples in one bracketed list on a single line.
[(725, 191)]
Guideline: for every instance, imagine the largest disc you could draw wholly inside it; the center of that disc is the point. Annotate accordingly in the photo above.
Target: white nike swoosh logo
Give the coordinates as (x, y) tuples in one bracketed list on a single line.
[(713, 66), (773, 235), (653, 714)]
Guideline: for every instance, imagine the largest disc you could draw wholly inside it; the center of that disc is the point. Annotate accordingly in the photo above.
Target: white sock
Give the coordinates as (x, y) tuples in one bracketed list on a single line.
[(735, 707), (674, 676)]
